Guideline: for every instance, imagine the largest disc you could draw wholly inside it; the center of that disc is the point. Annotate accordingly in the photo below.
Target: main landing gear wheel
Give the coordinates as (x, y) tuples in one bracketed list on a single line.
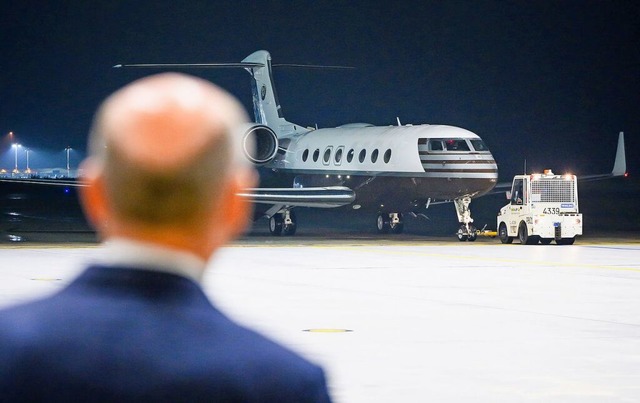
[(275, 224), (382, 223), (393, 222), (283, 224), (503, 234)]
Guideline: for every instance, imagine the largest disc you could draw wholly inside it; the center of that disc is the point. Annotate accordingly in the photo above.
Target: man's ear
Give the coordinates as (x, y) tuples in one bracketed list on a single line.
[(240, 209), (92, 195), (234, 213)]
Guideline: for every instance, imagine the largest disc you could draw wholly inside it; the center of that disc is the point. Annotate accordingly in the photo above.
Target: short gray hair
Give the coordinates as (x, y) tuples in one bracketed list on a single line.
[(166, 197)]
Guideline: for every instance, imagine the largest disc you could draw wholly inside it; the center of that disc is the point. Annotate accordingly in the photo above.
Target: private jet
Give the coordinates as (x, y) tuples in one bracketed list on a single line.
[(390, 171)]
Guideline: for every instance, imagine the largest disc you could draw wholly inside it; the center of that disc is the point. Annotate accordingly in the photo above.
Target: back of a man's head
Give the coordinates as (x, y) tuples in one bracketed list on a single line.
[(163, 151)]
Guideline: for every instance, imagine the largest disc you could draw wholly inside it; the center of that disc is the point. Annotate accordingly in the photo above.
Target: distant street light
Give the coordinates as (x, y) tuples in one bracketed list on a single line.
[(15, 148), (68, 149)]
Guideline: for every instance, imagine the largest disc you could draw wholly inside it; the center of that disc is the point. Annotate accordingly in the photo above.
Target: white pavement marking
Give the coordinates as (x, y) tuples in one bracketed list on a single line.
[(443, 322)]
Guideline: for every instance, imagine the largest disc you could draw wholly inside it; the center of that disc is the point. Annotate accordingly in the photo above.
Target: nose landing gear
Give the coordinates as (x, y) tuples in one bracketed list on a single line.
[(466, 232)]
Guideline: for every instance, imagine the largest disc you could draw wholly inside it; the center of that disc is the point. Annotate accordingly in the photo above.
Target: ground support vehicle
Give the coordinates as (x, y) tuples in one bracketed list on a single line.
[(542, 208)]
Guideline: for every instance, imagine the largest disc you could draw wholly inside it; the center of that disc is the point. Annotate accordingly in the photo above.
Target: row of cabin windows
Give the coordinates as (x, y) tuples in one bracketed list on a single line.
[(362, 156)]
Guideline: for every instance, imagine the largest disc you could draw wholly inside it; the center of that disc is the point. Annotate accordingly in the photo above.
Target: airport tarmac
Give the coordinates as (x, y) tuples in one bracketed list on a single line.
[(412, 320)]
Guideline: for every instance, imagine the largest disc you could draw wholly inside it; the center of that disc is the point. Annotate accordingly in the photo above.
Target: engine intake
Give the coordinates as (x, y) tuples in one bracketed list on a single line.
[(260, 144)]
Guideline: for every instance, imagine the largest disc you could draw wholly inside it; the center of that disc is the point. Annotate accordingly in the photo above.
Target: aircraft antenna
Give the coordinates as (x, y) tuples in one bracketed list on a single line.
[(398, 119)]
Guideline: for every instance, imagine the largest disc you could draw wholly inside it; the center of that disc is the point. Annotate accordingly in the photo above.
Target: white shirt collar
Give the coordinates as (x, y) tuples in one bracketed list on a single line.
[(148, 256)]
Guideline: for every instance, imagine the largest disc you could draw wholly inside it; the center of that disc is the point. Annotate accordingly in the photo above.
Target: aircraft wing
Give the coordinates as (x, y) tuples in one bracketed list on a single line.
[(51, 182), (319, 197)]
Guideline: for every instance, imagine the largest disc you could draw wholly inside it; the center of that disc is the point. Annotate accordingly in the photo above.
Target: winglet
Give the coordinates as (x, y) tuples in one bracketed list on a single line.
[(620, 165)]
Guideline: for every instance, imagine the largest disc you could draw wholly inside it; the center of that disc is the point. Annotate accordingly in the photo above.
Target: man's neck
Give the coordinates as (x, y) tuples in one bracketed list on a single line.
[(123, 251), (179, 239)]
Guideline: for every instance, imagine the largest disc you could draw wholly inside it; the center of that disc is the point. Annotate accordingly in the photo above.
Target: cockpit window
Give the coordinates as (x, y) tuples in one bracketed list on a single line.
[(479, 145), (445, 145), (435, 145), (456, 145)]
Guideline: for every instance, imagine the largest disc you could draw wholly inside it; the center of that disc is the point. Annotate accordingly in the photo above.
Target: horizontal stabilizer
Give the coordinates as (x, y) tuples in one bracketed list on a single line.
[(190, 65), (242, 65)]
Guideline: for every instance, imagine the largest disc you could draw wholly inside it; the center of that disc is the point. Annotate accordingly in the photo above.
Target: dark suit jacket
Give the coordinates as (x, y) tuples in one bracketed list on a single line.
[(117, 334)]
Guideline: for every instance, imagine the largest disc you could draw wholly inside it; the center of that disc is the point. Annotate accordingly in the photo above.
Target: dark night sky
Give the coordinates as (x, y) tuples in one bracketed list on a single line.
[(550, 81)]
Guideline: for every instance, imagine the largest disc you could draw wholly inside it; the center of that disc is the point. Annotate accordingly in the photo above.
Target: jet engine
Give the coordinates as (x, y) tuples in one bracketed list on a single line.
[(260, 144)]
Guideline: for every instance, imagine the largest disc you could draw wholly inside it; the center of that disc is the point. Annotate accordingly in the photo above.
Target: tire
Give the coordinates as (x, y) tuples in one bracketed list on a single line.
[(397, 228), (473, 235), (565, 241), (382, 223), (504, 234), (289, 230), (462, 235), (275, 224), (523, 235)]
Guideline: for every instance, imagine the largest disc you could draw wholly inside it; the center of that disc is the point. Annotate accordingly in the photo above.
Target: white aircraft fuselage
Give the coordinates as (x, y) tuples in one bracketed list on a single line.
[(390, 168)]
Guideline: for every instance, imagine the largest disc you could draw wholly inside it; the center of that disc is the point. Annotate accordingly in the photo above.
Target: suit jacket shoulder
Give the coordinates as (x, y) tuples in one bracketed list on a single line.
[(129, 334)]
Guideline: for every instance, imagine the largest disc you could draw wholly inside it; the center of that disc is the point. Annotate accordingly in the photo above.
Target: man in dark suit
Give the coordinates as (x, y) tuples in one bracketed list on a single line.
[(162, 179)]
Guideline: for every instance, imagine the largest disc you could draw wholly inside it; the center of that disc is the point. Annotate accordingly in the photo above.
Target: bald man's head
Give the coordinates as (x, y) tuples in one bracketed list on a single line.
[(164, 120), (164, 146)]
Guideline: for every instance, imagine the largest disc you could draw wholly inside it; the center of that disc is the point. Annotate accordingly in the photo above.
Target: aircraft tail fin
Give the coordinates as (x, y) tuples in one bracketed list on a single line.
[(266, 107)]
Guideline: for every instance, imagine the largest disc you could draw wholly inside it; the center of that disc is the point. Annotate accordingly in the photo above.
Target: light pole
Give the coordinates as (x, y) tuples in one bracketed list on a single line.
[(68, 149), (15, 148), (28, 170)]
